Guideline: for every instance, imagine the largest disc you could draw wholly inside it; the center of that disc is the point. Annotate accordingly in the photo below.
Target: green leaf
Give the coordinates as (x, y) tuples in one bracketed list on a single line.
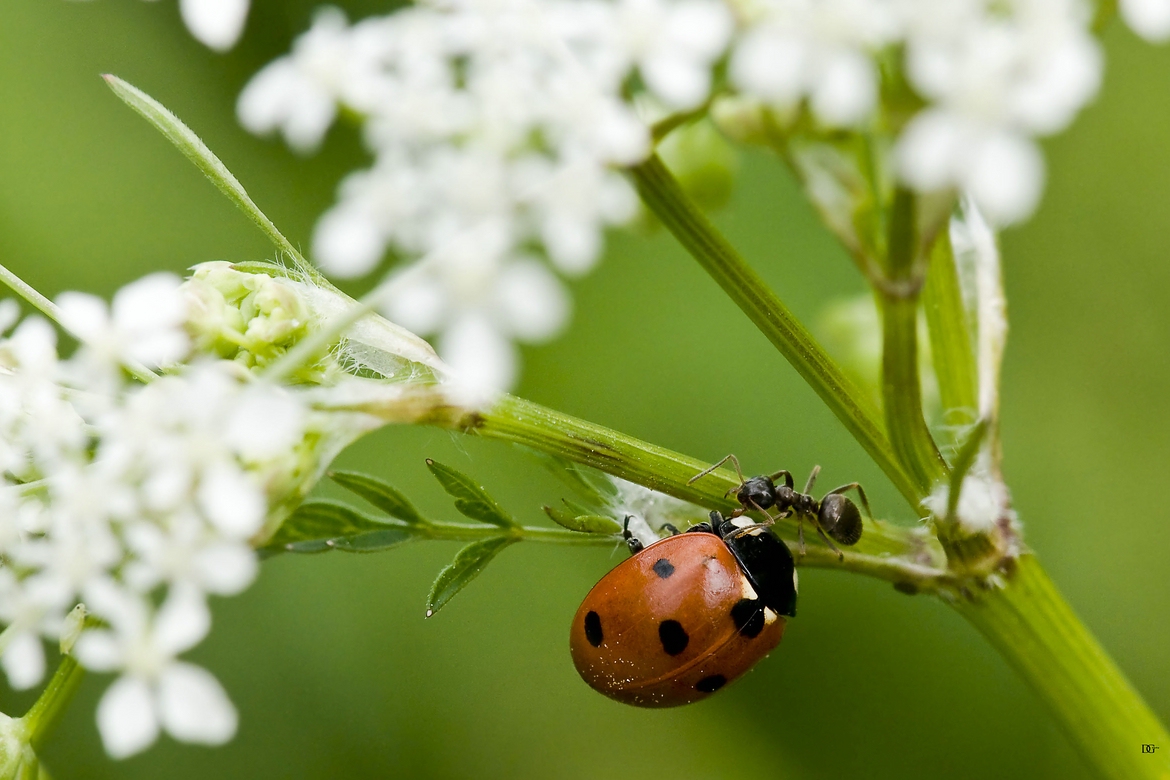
[(205, 160), (467, 565), (319, 525), (586, 524), (380, 494), (470, 499), (586, 481)]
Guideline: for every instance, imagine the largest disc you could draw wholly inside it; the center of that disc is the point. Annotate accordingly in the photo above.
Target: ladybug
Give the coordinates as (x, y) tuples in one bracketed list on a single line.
[(686, 615), (833, 516)]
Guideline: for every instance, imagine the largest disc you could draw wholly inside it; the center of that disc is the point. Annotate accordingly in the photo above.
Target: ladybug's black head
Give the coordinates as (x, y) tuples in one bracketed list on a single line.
[(840, 519), (757, 492)]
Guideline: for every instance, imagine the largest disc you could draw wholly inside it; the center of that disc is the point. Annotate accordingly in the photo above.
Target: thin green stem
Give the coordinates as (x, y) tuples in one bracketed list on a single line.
[(901, 390), (951, 344), (1030, 623), (665, 197), (53, 312), (892, 552), (473, 532), (48, 709)]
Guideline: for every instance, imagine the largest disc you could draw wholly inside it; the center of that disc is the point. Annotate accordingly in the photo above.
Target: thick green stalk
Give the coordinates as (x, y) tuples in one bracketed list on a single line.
[(1030, 623), (665, 197), (901, 390), (48, 709), (951, 345)]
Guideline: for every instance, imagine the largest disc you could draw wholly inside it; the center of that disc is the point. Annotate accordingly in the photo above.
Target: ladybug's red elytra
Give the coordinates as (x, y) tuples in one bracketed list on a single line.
[(686, 615)]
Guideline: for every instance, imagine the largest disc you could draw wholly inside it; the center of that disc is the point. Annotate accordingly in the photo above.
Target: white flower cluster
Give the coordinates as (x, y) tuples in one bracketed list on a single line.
[(496, 128), (496, 125), (138, 500)]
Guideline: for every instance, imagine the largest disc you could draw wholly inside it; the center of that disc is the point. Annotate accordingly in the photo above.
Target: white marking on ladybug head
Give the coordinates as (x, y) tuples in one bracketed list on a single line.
[(769, 616), (749, 592), (795, 581), (741, 521)]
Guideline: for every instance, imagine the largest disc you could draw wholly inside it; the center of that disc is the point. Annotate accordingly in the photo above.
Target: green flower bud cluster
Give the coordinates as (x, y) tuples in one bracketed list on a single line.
[(251, 318)]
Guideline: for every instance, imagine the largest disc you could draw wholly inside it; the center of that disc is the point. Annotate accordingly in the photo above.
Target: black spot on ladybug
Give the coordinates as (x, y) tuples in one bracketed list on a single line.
[(663, 568), (674, 639), (748, 615), (711, 683), (593, 629)]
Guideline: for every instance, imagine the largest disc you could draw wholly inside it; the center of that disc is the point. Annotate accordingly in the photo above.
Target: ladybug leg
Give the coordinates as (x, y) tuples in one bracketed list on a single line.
[(860, 494), (734, 461), (812, 478), (633, 542)]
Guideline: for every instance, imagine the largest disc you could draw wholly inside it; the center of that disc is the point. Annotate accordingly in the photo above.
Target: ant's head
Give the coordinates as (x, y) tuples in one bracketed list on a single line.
[(757, 492)]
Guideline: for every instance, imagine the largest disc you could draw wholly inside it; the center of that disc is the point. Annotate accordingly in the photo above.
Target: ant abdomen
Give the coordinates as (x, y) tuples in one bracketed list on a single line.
[(840, 519)]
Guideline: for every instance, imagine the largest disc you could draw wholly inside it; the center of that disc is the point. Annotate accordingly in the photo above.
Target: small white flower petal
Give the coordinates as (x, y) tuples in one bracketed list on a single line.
[(1006, 179), (532, 301), (84, 315), (231, 501), (226, 569), (482, 359), (182, 621), (347, 243), (194, 706), (24, 661), (98, 650), (266, 423), (216, 24), (126, 717), (1148, 18)]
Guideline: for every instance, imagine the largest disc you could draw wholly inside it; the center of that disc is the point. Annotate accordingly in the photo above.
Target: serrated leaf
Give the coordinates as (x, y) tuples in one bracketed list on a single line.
[(205, 160), (319, 525), (468, 563), (380, 494), (470, 499), (586, 524)]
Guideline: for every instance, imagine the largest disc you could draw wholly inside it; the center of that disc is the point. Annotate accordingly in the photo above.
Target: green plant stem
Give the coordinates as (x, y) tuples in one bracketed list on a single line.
[(474, 532), (894, 553), (48, 709), (1030, 623), (665, 197), (901, 389), (951, 344), (53, 312)]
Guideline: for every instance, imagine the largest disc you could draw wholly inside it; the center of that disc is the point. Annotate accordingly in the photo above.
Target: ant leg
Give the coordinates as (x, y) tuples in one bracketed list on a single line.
[(828, 541), (747, 529), (734, 461), (812, 478), (670, 527), (800, 533), (860, 494), (782, 473)]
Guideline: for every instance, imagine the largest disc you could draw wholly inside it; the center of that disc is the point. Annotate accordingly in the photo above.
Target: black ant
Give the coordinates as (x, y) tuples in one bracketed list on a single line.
[(833, 516)]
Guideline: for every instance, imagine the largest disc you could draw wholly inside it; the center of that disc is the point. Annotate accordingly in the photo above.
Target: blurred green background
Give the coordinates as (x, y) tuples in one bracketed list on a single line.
[(328, 658)]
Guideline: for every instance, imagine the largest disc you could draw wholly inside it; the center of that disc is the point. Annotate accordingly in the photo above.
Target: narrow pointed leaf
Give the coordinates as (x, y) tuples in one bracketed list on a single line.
[(591, 483), (380, 494), (587, 524), (467, 565), (319, 525), (205, 160), (470, 499)]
